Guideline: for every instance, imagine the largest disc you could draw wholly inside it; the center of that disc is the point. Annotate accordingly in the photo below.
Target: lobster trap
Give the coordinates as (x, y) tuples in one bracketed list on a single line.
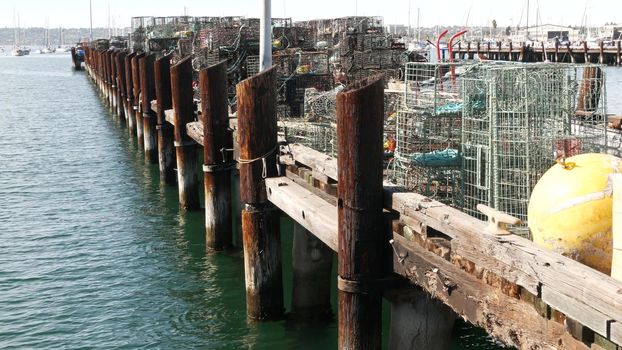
[(427, 156), (518, 119)]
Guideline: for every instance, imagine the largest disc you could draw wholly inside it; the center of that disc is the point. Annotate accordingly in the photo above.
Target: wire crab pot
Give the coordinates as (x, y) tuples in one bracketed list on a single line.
[(427, 156), (518, 120)]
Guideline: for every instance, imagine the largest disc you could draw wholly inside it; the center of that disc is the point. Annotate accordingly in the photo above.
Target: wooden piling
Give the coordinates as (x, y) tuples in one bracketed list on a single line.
[(511, 58), (419, 321), (257, 137), (571, 53), (113, 79), (110, 93), (136, 107), (590, 90), (586, 55), (312, 262), (359, 135), (556, 51), (185, 147), (147, 88), (104, 76), (217, 155), (166, 148), (618, 53), (129, 98), (120, 63), (601, 52)]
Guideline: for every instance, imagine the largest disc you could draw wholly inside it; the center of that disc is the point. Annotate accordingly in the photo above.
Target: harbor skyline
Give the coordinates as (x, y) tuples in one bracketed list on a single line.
[(34, 13)]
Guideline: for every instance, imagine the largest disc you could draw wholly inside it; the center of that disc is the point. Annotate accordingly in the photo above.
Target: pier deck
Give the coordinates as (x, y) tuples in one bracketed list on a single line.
[(521, 294)]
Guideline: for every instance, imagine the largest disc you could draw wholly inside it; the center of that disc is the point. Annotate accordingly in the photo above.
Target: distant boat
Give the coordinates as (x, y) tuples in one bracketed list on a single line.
[(48, 48), (17, 52), (17, 49)]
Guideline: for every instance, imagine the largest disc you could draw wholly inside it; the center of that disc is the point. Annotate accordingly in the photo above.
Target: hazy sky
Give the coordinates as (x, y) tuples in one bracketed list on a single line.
[(75, 13)]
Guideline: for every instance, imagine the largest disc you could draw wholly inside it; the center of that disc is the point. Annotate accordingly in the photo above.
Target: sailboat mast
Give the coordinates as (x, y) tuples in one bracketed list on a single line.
[(91, 20), (418, 25), (109, 32), (527, 20), (14, 30), (409, 22)]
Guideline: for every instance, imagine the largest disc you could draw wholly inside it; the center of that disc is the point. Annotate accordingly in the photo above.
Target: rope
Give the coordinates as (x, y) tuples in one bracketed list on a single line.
[(263, 158)]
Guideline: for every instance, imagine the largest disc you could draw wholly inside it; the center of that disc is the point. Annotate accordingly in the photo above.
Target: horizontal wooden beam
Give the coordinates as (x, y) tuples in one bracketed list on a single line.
[(313, 213), (169, 115), (582, 293), (195, 131)]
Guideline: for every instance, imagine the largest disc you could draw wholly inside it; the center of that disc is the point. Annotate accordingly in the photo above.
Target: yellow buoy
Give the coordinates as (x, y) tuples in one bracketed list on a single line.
[(616, 264), (570, 209)]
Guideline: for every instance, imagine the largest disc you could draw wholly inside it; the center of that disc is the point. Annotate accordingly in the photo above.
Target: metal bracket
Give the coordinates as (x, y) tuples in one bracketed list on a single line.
[(184, 143), (213, 168), (354, 287)]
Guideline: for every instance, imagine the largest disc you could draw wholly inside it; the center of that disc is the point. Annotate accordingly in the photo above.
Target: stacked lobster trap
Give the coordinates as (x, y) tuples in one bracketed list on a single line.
[(518, 120), (427, 156), (485, 133)]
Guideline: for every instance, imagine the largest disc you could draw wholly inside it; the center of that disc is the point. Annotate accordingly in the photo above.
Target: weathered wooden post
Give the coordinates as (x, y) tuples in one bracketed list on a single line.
[(359, 134), (590, 90), (257, 137), (511, 52), (586, 55), (569, 49), (418, 321), (312, 262), (521, 55), (110, 92), (618, 53), (185, 147), (601, 52), (129, 91), (166, 149), (217, 156), (105, 85), (468, 53), (544, 53), (499, 51), (137, 107), (556, 51), (147, 88), (121, 84), (113, 79)]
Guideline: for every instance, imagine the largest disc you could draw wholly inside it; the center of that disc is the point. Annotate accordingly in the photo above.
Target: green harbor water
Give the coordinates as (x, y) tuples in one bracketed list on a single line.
[(94, 253)]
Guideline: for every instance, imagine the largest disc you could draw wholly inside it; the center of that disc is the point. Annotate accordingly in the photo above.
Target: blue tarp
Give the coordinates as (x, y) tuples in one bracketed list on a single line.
[(448, 157)]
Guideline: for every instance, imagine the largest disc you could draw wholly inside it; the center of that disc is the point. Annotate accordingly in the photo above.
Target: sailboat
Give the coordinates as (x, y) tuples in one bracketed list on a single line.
[(17, 49), (61, 47), (48, 48)]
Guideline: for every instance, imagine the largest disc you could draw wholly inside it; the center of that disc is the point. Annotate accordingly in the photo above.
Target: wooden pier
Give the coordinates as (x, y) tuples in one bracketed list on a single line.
[(539, 52), (390, 243)]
